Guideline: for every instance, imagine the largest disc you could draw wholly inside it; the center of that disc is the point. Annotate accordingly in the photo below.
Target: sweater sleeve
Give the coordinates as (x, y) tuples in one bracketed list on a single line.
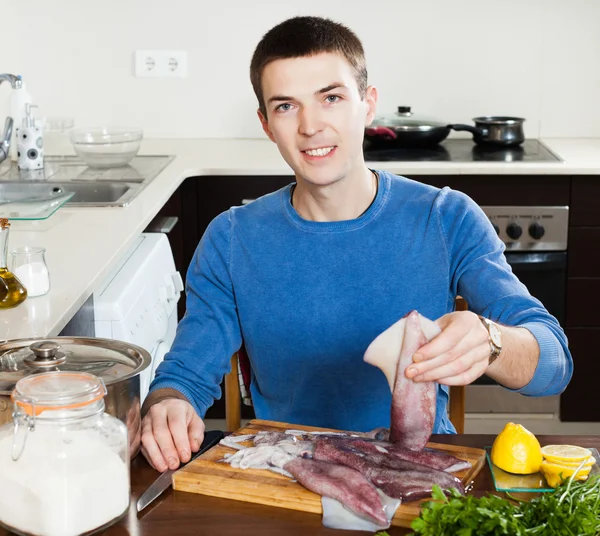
[(209, 333), (479, 272)]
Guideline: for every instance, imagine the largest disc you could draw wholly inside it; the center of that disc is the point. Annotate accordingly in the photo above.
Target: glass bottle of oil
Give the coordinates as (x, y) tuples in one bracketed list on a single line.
[(12, 291)]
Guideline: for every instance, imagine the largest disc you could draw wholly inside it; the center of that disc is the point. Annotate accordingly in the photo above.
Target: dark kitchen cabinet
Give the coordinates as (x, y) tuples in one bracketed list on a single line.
[(583, 297), (507, 190), (584, 251), (583, 293), (200, 199), (585, 199), (579, 403)]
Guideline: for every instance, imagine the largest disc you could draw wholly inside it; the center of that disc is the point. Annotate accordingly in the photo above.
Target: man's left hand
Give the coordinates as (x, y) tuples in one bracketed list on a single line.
[(457, 356)]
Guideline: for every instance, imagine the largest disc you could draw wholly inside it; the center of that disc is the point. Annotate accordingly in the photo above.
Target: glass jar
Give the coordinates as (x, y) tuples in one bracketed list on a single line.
[(29, 266), (65, 462)]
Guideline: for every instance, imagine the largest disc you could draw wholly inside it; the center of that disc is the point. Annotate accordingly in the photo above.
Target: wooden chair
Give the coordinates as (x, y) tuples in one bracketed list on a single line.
[(456, 404), (235, 382)]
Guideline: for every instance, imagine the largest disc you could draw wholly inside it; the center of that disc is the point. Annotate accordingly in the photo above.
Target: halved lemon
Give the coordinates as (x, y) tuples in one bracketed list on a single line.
[(565, 453), (516, 450)]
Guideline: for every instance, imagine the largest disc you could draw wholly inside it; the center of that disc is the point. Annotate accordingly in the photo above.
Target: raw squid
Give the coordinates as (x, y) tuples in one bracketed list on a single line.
[(269, 438), (271, 457), (342, 483), (427, 457), (410, 483), (387, 455), (381, 452), (384, 351), (413, 403)]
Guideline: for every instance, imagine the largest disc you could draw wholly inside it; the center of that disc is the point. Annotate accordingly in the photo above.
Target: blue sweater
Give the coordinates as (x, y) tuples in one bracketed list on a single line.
[(306, 298)]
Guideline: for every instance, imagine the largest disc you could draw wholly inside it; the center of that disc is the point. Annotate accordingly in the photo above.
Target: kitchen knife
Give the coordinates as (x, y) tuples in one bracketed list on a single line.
[(166, 479)]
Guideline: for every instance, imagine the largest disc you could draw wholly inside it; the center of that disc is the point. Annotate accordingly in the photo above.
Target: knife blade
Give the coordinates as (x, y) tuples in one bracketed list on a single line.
[(166, 479)]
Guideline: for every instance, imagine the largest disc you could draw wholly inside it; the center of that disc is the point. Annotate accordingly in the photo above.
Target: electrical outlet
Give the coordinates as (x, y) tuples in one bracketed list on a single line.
[(161, 63)]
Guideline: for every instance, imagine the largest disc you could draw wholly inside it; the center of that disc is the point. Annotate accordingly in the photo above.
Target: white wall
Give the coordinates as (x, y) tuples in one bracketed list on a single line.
[(452, 59)]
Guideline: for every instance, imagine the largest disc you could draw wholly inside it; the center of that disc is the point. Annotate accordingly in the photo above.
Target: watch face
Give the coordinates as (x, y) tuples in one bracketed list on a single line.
[(495, 335)]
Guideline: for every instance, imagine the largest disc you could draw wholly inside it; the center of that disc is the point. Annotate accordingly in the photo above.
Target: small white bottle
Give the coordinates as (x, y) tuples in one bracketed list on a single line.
[(30, 143), (18, 99)]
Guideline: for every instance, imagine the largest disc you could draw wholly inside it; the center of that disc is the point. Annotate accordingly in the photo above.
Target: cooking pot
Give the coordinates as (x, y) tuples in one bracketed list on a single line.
[(117, 363), (500, 131), (405, 129)]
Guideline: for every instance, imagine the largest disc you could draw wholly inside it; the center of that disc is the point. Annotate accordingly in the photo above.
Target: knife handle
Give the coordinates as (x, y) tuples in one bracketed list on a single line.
[(211, 438)]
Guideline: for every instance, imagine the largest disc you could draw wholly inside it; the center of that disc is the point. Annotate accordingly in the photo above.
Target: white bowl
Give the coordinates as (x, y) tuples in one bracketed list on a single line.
[(106, 147)]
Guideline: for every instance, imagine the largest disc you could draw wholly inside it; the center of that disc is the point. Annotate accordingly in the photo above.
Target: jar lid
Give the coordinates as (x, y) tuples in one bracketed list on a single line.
[(57, 390), (110, 360)]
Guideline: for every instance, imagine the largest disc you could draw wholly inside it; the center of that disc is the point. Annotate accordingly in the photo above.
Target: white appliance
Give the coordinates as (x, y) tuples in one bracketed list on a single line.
[(137, 302)]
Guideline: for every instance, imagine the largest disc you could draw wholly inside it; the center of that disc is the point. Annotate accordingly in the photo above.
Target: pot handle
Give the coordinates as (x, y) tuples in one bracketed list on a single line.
[(381, 132), (469, 128)]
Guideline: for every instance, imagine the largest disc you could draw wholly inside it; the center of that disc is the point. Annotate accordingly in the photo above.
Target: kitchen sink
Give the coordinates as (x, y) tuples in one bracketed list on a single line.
[(95, 192), (114, 187), (85, 194)]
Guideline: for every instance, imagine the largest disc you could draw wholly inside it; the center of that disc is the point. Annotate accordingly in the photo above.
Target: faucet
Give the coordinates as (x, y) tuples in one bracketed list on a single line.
[(16, 83)]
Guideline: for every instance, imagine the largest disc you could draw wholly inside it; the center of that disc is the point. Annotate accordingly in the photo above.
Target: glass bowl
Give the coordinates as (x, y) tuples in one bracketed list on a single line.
[(106, 147)]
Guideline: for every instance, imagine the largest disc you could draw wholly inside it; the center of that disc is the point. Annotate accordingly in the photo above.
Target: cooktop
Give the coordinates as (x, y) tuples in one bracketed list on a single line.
[(465, 150)]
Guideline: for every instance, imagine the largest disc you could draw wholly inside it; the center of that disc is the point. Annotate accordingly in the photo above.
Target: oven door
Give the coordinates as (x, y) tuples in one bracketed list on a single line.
[(544, 274)]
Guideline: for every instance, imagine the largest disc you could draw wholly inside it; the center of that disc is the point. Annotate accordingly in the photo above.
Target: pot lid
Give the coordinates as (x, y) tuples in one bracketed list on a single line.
[(110, 360), (406, 120), (499, 120)]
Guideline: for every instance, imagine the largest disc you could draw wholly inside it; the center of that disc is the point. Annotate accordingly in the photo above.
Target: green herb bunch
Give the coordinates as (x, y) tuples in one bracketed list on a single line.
[(571, 509)]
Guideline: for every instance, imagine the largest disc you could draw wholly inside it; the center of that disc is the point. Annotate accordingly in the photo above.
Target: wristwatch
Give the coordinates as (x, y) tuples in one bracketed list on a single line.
[(494, 337)]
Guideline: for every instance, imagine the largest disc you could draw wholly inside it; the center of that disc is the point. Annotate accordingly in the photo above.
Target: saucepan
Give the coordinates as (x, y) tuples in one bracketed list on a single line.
[(118, 363), (500, 131)]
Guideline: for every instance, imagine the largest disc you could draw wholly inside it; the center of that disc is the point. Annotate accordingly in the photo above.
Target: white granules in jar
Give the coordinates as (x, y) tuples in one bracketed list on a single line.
[(63, 484), (35, 278)]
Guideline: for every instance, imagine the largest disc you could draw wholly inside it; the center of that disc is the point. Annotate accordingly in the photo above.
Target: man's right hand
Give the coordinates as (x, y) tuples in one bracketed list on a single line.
[(171, 431)]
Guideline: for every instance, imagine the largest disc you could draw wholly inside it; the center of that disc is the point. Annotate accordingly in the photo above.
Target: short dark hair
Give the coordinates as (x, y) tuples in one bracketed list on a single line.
[(307, 36)]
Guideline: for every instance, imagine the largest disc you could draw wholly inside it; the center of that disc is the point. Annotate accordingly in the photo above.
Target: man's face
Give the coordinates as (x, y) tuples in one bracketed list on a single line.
[(316, 116)]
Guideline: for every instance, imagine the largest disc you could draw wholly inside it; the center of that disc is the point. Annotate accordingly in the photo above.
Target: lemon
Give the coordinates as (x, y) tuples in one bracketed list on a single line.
[(588, 462), (565, 453), (556, 474), (517, 450)]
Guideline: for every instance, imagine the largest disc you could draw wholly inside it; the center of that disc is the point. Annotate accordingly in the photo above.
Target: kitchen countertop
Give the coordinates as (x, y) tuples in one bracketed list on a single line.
[(183, 514), (83, 244)]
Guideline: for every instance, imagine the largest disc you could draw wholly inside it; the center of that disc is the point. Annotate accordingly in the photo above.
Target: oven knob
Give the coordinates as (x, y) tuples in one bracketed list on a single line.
[(514, 231), (536, 230)]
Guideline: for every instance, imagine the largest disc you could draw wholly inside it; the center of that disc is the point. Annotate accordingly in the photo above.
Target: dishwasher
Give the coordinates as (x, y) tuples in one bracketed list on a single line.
[(137, 301)]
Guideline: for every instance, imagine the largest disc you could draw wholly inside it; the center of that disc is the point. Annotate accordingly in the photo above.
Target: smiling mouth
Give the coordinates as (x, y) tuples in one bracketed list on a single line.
[(321, 151)]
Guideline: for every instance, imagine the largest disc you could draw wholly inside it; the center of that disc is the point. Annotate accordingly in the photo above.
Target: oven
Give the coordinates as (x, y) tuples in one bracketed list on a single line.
[(536, 250)]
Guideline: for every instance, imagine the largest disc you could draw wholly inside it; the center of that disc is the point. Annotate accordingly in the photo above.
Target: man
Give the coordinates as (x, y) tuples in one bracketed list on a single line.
[(308, 276)]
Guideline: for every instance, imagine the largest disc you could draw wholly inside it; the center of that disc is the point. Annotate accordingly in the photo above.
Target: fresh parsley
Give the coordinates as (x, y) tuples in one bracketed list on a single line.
[(573, 508), (460, 515)]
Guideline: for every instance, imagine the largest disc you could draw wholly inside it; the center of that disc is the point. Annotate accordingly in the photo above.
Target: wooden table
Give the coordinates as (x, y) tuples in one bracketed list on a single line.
[(182, 514)]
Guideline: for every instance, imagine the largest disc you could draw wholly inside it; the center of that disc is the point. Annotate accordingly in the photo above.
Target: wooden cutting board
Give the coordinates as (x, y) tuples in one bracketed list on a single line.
[(208, 477)]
